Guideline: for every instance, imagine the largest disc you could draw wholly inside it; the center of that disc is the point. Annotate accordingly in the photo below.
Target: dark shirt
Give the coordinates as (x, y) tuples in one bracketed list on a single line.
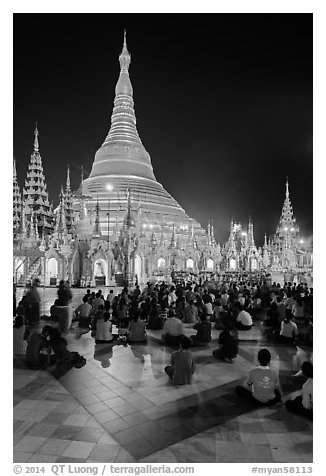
[(203, 331)]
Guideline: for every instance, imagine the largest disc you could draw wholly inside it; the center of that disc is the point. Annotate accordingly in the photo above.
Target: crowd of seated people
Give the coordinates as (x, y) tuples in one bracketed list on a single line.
[(229, 307)]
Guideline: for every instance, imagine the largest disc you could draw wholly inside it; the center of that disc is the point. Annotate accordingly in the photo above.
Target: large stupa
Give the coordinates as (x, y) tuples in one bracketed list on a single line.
[(123, 167)]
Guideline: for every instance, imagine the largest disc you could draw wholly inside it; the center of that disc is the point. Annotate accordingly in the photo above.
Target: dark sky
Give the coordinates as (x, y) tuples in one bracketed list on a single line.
[(223, 105)]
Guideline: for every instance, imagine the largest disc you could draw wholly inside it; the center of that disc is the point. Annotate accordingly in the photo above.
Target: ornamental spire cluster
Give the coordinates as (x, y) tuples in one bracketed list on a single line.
[(17, 202), (35, 195)]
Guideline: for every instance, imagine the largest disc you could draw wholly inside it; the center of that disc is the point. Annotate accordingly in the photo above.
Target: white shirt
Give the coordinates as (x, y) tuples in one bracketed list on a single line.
[(307, 394), (289, 329), (209, 308), (245, 318), (172, 326)]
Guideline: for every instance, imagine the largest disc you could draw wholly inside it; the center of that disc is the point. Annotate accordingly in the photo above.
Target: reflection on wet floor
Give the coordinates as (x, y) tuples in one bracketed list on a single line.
[(120, 407)]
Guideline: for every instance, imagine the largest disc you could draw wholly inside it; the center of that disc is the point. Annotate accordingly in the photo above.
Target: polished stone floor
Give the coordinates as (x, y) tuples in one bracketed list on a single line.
[(121, 408)]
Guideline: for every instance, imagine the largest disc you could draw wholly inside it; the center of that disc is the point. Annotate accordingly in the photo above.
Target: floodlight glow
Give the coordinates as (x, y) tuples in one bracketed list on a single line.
[(109, 187)]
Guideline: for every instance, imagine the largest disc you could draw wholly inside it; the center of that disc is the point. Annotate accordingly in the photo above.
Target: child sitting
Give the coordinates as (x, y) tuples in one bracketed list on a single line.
[(263, 381)]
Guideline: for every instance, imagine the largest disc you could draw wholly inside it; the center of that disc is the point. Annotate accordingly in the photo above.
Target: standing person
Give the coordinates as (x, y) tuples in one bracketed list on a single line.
[(64, 308), (98, 301), (263, 381), (183, 364), (32, 302), (303, 404), (110, 297)]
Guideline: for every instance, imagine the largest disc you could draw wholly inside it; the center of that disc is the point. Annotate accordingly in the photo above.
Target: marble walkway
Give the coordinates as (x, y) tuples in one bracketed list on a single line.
[(120, 408)]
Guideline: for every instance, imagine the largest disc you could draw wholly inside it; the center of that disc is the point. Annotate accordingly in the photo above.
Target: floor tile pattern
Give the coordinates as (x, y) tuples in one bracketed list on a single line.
[(120, 408)]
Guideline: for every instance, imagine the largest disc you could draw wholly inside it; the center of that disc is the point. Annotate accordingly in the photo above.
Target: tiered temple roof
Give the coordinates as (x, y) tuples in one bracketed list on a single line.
[(35, 195)]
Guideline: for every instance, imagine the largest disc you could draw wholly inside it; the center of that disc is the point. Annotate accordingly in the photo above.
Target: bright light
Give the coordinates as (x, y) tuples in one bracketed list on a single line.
[(109, 187), (292, 229), (244, 233), (285, 229), (144, 225), (151, 226), (301, 241)]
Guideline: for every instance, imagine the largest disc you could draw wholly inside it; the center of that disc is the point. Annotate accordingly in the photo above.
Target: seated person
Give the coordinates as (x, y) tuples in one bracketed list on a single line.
[(304, 354), (272, 316), (243, 321), (172, 330), (263, 381), (98, 315), (182, 365), (190, 313), (154, 320), (63, 357), (38, 350), (20, 335), (302, 405), (289, 329), (203, 336), (103, 330), (83, 314), (228, 340), (137, 330)]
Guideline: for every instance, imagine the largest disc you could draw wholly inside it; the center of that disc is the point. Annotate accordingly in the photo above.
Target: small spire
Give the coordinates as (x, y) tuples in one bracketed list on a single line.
[(287, 194), (14, 171), (68, 179), (36, 144), (124, 57)]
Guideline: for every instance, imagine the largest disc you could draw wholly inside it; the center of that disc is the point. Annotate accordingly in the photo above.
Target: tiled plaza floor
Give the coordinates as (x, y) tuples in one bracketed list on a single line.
[(121, 408)]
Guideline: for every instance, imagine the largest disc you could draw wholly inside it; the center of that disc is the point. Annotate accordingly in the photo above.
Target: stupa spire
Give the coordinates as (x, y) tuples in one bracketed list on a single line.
[(68, 179), (36, 144)]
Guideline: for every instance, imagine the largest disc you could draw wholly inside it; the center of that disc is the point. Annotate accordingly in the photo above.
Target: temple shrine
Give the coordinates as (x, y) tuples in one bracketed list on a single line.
[(121, 226)]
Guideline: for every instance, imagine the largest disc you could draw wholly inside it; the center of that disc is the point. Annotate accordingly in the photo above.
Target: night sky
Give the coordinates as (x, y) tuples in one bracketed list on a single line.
[(223, 105)]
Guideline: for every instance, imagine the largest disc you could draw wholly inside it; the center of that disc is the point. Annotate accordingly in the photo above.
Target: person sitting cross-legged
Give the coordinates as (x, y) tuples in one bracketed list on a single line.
[(243, 321), (264, 383), (228, 340), (183, 364), (203, 336), (172, 330), (137, 329), (289, 329), (103, 331), (302, 405)]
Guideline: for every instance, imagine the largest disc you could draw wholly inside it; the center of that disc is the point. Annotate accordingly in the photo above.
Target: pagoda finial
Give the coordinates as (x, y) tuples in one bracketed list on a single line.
[(14, 169), (124, 57), (36, 144), (68, 179), (287, 194)]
